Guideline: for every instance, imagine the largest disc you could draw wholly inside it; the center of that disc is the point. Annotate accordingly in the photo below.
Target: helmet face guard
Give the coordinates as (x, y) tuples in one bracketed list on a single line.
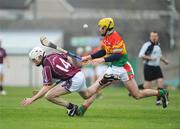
[(37, 54), (41, 58)]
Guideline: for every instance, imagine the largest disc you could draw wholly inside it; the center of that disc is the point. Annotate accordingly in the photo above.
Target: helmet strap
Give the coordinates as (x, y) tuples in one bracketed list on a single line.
[(108, 30), (108, 27)]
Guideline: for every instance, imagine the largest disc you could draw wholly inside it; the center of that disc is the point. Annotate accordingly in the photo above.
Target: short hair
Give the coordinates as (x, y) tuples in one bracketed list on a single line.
[(154, 31)]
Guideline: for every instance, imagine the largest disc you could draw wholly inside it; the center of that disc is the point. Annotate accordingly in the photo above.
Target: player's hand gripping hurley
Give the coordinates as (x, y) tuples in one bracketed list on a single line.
[(47, 43)]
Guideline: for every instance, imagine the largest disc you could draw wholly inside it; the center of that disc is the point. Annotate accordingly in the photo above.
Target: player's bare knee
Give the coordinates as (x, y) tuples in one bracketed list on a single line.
[(85, 97), (85, 94), (49, 96), (136, 96)]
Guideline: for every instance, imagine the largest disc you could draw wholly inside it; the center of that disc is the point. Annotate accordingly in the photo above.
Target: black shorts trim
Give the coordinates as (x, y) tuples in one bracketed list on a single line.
[(152, 72), (67, 84)]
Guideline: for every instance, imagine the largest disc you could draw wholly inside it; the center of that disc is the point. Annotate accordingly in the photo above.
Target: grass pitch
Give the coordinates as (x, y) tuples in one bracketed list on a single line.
[(115, 111)]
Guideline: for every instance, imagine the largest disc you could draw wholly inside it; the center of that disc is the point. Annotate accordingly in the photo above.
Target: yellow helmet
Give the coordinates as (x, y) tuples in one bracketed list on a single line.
[(107, 22)]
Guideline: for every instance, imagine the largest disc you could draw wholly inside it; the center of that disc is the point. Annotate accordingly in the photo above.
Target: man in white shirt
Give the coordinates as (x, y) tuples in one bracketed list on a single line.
[(152, 55)]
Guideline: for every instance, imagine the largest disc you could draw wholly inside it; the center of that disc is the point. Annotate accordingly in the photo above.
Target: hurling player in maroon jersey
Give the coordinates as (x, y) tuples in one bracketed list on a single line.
[(3, 58), (57, 67)]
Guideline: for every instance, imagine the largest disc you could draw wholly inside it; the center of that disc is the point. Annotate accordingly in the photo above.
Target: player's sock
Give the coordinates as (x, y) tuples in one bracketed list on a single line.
[(161, 92), (81, 110), (164, 97), (85, 107)]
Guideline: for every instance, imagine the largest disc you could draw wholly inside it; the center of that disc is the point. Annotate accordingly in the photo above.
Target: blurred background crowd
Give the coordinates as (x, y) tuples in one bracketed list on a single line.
[(72, 24)]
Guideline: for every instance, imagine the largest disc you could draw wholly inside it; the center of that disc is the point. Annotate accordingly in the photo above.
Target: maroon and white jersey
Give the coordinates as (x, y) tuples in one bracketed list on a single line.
[(2, 55), (56, 66)]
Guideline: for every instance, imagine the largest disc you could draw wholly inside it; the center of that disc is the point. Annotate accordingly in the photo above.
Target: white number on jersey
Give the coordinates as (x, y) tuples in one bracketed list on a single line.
[(65, 64)]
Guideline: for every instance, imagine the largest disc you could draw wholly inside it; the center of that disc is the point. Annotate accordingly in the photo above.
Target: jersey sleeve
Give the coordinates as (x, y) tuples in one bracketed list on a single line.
[(47, 75), (143, 50)]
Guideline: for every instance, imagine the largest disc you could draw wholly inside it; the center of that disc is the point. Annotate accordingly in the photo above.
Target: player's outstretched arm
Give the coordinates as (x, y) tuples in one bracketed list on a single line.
[(98, 54), (86, 58), (42, 92)]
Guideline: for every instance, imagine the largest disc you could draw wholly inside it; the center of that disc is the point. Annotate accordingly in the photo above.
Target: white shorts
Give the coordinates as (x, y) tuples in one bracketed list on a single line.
[(125, 72), (88, 71), (100, 69), (75, 84), (1, 68)]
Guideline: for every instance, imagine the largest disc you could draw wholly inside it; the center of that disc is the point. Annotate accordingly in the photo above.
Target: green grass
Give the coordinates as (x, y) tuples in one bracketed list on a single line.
[(115, 111)]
